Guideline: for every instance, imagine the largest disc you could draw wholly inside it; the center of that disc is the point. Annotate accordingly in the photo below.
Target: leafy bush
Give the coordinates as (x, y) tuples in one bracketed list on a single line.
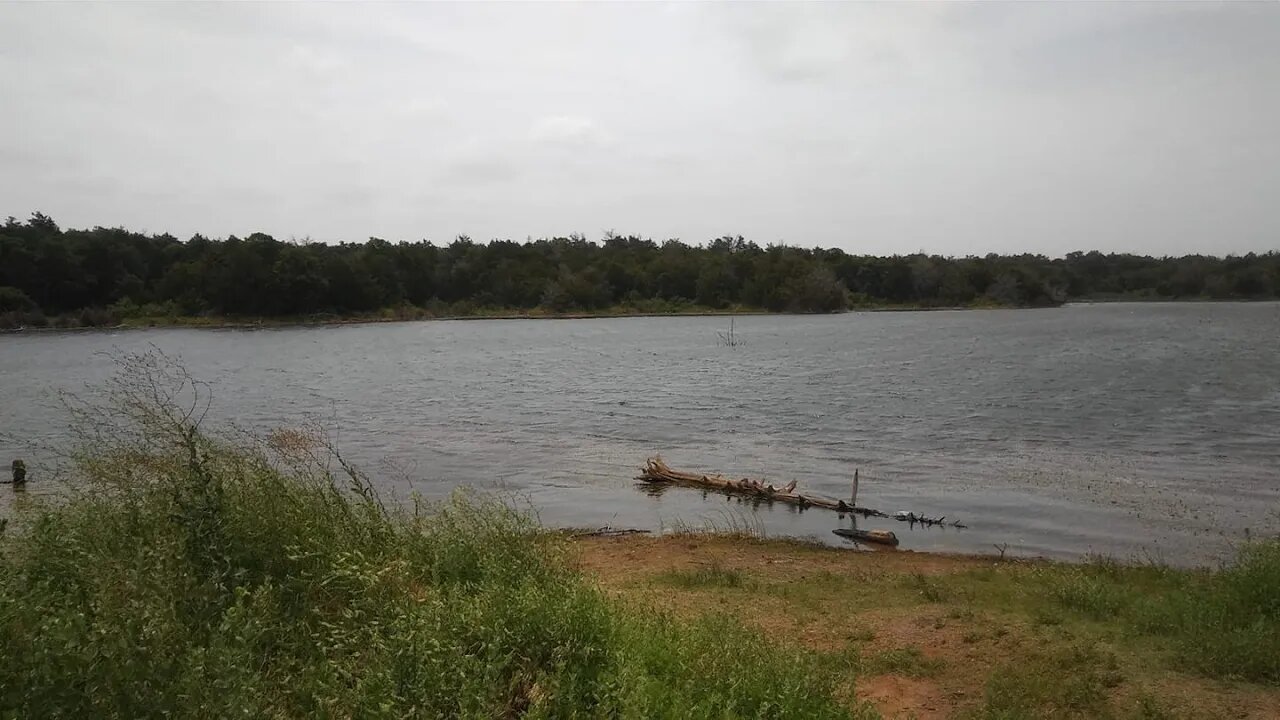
[(14, 300)]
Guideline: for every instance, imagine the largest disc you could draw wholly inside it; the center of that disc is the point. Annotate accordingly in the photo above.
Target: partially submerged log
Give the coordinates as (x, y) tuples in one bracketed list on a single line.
[(657, 472), (607, 531), (880, 537)]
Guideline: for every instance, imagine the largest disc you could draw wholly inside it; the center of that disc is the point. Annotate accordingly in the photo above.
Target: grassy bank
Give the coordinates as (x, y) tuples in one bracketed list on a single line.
[(932, 636), (226, 586)]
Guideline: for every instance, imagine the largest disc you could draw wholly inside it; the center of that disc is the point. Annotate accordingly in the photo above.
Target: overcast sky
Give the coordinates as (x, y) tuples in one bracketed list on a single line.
[(880, 128)]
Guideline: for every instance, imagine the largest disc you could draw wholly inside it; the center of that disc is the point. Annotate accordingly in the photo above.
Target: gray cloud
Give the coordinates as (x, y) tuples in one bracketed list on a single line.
[(953, 128)]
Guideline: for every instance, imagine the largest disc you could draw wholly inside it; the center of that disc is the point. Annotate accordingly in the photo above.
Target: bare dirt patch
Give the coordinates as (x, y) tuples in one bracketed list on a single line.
[(618, 558), (895, 696)]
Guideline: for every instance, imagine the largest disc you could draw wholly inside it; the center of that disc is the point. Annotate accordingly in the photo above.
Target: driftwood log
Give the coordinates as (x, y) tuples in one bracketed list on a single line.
[(607, 531), (657, 472), (880, 537)]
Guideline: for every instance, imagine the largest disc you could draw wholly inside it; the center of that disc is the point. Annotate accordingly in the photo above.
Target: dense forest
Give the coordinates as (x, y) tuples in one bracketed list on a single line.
[(50, 276)]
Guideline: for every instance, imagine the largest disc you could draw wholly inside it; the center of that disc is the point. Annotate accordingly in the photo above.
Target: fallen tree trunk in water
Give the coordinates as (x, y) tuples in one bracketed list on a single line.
[(658, 472)]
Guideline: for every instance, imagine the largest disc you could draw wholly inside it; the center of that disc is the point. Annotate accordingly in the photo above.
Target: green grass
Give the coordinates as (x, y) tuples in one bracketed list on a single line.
[(711, 576), (927, 589), (1061, 683), (259, 595), (1223, 624), (193, 578), (908, 661), (1015, 639)]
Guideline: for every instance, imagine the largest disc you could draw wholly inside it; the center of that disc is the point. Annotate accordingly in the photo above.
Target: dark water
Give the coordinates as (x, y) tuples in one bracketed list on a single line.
[(1126, 429)]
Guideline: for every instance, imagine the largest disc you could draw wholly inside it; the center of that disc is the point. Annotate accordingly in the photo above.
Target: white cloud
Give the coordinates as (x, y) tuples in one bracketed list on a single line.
[(573, 130), (956, 128), (317, 60)]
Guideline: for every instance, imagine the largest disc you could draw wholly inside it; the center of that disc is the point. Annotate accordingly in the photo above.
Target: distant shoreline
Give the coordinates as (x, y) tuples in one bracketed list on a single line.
[(222, 323), (225, 323)]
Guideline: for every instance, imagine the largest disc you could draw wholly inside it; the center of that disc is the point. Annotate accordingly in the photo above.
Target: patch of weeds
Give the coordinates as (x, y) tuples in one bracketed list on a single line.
[(926, 588), (1159, 615), (734, 522), (1105, 565), (1066, 683), (1223, 625), (845, 661), (1047, 616), (1002, 587), (984, 575), (1098, 598), (971, 637), (862, 634), (711, 576), (1150, 709), (907, 661), (1228, 625), (834, 581)]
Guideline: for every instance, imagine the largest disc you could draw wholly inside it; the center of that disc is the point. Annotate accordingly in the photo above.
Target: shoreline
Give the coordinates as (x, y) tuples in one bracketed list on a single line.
[(197, 322), (214, 323)]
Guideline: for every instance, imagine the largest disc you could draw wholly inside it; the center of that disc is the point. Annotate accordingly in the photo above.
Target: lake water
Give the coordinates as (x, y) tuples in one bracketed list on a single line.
[(1125, 429)]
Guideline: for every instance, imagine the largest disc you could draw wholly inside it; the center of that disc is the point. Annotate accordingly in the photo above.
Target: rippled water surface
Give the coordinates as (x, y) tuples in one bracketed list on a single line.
[(1124, 429)]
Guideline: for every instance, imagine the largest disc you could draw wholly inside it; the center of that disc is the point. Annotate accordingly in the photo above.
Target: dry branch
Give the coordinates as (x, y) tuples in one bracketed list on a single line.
[(913, 519)]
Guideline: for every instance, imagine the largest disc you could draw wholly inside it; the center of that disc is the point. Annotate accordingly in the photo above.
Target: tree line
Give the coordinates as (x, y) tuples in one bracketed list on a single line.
[(103, 275)]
